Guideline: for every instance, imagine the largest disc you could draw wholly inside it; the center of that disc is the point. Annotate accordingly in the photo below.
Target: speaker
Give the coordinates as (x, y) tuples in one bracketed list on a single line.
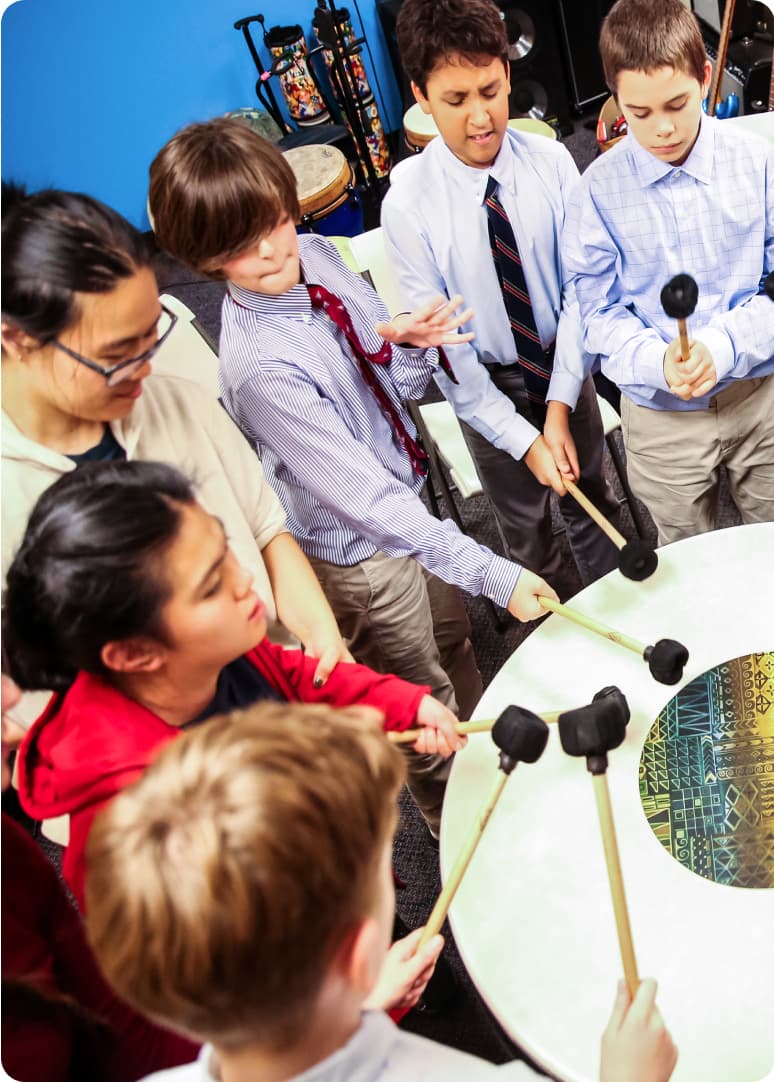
[(580, 25), (538, 85), (747, 72)]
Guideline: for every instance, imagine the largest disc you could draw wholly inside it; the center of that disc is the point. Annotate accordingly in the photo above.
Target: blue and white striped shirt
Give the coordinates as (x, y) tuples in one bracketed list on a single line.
[(289, 380), (634, 222)]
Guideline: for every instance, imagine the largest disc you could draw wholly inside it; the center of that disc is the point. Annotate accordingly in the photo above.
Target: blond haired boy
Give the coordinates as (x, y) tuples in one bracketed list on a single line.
[(241, 892)]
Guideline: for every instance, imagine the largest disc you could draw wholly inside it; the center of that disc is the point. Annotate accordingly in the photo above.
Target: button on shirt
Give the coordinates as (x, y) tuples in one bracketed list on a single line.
[(291, 383), (435, 227), (635, 222)]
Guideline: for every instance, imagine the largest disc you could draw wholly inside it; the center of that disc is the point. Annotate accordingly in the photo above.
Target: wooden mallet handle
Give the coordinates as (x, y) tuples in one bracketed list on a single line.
[(615, 878), (446, 897), (408, 736), (594, 513), (592, 625)]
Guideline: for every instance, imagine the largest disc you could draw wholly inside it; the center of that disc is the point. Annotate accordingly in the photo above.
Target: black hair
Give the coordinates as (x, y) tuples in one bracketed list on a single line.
[(432, 32), (88, 570), (56, 244)]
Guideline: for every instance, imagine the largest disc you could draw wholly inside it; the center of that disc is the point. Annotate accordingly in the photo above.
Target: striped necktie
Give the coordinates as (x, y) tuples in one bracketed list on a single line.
[(535, 362)]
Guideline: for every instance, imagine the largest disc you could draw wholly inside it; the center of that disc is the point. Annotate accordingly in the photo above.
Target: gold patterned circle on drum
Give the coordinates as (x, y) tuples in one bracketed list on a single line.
[(707, 773)]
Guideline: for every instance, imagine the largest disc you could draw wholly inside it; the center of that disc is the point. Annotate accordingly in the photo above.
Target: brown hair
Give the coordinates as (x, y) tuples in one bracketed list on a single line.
[(222, 883), (432, 32), (642, 35), (215, 189)]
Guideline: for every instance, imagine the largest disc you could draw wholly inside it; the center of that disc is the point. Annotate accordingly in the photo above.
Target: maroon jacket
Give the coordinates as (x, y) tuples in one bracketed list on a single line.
[(92, 741)]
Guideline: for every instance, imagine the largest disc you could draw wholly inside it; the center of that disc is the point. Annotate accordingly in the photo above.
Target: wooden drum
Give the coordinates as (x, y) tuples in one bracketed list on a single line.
[(326, 190)]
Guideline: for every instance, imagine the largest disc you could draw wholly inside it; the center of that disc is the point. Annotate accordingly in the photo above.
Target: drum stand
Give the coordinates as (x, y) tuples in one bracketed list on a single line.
[(330, 36), (327, 133)]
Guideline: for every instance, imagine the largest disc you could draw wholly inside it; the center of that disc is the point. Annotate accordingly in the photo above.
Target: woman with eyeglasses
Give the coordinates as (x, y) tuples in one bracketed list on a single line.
[(81, 321)]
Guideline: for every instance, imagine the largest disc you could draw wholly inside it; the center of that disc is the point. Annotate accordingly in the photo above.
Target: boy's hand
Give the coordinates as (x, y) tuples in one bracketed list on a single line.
[(440, 736), (692, 378), (435, 324), (404, 973), (329, 654), (636, 1046), (524, 604), (560, 443), (540, 461)]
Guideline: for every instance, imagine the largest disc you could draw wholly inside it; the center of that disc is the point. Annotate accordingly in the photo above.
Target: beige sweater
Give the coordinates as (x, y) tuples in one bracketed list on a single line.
[(174, 421)]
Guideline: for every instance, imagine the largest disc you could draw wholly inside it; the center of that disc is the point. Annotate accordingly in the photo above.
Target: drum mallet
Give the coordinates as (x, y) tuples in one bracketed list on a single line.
[(521, 736), (666, 659), (678, 299), (593, 734), (637, 560), (409, 736)]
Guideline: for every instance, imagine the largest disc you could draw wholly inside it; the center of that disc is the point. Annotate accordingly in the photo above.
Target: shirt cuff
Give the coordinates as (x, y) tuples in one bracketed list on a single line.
[(500, 580), (564, 387), (649, 367), (721, 348), (520, 436)]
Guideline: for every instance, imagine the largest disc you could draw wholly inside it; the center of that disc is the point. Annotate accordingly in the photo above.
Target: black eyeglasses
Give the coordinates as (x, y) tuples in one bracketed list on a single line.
[(117, 373)]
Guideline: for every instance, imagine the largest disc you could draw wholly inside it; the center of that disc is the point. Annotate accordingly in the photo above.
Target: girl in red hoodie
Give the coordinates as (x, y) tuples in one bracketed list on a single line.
[(126, 599)]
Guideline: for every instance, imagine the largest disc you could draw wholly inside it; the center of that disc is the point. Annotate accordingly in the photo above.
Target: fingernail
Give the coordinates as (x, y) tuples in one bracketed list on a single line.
[(318, 681)]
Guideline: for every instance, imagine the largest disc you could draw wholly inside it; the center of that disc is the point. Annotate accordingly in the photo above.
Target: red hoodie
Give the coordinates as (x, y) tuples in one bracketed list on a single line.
[(92, 741)]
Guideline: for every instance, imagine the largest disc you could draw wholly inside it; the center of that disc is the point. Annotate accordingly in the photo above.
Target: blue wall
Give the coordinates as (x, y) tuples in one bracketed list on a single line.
[(91, 88)]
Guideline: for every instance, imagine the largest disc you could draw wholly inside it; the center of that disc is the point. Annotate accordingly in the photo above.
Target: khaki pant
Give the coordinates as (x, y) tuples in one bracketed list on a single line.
[(673, 458), (400, 619)]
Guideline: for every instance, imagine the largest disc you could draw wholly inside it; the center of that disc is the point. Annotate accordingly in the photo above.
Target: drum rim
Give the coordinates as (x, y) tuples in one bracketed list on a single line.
[(319, 203)]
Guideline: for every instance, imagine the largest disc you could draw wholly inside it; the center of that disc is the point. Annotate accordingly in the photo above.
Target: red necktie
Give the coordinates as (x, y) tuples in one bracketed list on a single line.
[(338, 314)]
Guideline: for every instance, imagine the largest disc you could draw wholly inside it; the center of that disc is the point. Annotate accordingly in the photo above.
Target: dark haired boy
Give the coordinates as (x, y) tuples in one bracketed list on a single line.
[(478, 185), (311, 372), (682, 193), (241, 892)]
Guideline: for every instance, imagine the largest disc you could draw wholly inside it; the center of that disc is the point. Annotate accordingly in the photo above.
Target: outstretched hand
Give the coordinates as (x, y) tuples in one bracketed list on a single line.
[(439, 734), (524, 604), (435, 324)]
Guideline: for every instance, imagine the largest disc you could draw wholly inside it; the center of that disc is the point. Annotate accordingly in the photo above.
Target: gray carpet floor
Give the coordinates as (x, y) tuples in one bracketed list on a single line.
[(466, 1024)]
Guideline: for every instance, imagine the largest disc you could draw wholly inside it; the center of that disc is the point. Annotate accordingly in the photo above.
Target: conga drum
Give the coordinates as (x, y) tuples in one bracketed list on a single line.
[(326, 191)]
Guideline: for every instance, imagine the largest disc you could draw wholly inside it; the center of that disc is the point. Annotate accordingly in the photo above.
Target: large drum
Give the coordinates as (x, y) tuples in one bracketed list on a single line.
[(692, 790), (326, 191), (420, 128)]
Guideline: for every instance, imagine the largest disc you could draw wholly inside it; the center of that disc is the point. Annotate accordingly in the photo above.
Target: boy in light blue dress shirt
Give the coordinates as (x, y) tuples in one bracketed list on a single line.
[(682, 193), (437, 232), (242, 893)]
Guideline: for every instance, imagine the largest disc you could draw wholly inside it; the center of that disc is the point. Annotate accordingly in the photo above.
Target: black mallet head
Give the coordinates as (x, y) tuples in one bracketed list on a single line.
[(592, 731), (520, 735), (768, 286), (679, 296), (667, 660), (637, 560), (617, 696)]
